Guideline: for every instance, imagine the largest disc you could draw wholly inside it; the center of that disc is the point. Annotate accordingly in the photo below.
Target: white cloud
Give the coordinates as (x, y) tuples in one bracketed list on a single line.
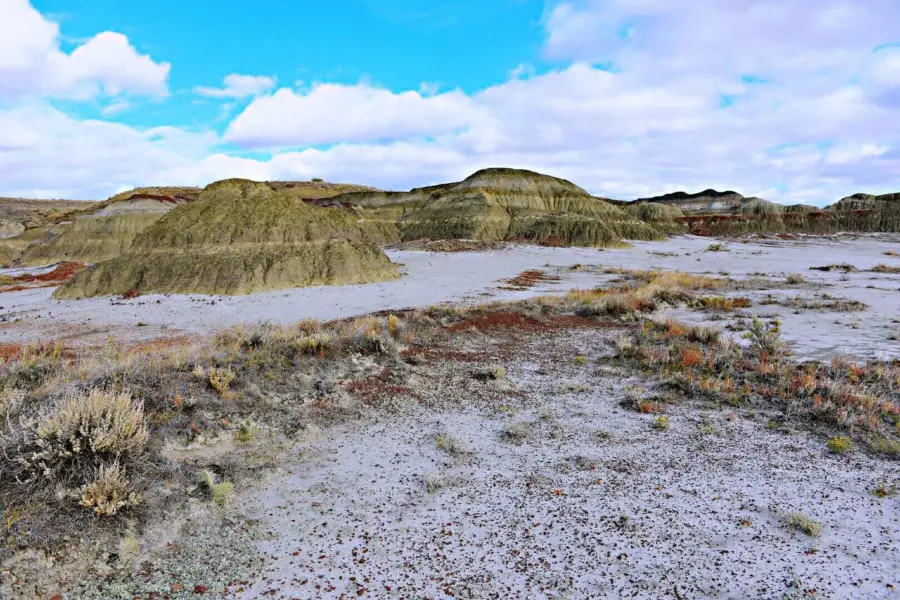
[(673, 112), (239, 86), (32, 64), (46, 153), (329, 113)]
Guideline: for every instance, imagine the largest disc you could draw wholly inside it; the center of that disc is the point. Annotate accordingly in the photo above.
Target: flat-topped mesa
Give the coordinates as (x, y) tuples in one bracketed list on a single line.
[(240, 237), (707, 201), (498, 205)]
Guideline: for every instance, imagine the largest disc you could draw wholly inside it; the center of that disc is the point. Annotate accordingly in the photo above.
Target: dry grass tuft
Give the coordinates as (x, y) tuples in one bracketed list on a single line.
[(220, 379), (798, 520), (882, 268), (110, 492), (517, 432)]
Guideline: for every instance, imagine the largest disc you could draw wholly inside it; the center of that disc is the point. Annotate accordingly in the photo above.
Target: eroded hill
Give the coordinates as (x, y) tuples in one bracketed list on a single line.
[(498, 205), (239, 237)]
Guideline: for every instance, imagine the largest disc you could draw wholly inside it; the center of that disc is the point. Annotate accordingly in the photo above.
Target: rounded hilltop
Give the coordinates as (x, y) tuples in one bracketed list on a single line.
[(238, 237), (498, 204)]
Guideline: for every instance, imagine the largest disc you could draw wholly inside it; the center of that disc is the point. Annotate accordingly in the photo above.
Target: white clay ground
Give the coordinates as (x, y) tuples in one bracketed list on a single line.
[(695, 511), (475, 277)]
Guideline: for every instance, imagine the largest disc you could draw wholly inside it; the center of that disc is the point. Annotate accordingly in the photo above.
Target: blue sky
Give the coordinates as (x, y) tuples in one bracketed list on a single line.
[(792, 101), (469, 44)]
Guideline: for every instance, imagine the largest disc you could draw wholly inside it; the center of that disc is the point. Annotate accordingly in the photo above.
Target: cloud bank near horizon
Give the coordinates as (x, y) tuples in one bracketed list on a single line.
[(789, 101)]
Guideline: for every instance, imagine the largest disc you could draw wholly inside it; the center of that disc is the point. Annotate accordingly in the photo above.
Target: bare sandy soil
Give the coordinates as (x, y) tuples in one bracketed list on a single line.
[(592, 502)]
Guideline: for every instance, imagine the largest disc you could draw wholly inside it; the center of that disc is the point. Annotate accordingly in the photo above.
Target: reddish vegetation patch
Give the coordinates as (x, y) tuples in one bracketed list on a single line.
[(10, 352), (377, 387), (436, 354), (508, 320), (62, 273), (132, 293), (528, 279)]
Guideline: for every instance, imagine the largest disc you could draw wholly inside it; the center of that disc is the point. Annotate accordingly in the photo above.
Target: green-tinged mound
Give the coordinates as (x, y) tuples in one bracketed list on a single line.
[(664, 217), (498, 205), (761, 208), (240, 237), (108, 229)]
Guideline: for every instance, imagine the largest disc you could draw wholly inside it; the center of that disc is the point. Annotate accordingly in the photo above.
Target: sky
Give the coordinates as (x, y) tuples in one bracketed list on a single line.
[(792, 101)]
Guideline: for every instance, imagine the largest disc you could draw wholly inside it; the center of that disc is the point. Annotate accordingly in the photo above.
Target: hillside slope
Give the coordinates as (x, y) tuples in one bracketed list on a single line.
[(497, 205), (240, 237)]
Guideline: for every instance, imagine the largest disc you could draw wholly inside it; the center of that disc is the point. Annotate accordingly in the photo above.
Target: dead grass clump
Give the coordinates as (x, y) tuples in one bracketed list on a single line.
[(795, 279), (798, 520), (638, 400), (882, 268), (450, 445), (660, 423), (723, 303), (220, 379), (716, 248), (822, 302), (517, 432), (317, 343), (109, 492), (845, 267)]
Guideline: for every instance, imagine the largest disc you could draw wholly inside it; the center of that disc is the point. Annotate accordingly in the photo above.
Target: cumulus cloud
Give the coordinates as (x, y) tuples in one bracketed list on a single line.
[(793, 101), (239, 86), (48, 154), (329, 113), (32, 64)]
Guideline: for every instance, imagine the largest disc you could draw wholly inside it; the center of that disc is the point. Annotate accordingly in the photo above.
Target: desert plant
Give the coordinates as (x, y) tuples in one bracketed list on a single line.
[(516, 432), (883, 490), (218, 491), (84, 429), (795, 278), (220, 379), (449, 444), (661, 422), (882, 268), (716, 248), (109, 492), (246, 431), (765, 340), (580, 360), (798, 520), (312, 344), (840, 444)]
